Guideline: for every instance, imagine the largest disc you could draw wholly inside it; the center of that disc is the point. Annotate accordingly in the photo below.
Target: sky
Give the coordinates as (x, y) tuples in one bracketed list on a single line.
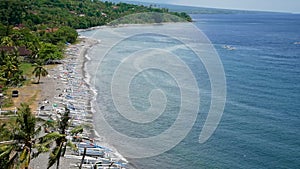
[(292, 6)]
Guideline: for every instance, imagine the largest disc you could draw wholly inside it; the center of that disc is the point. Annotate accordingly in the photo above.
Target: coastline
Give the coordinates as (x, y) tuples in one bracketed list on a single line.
[(59, 80), (125, 25), (87, 78), (192, 156), (76, 59)]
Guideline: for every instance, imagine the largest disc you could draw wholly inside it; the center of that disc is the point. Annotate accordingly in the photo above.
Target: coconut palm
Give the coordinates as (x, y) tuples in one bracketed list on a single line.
[(21, 138), (10, 71), (7, 41), (39, 70), (62, 142)]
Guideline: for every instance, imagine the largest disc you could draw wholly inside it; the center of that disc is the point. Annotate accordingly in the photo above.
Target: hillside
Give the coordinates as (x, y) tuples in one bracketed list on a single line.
[(35, 14), (42, 28)]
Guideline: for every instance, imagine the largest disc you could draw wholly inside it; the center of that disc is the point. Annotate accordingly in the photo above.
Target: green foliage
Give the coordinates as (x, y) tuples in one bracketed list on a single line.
[(8, 102), (73, 13), (19, 137), (62, 142), (76, 130), (7, 41), (48, 52), (26, 68), (45, 26), (39, 70), (12, 12), (66, 34), (10, 72), (149, 17)]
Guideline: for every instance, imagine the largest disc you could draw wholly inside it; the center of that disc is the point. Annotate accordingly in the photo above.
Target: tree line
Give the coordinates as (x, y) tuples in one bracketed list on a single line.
[(44, 27), (35, 32)]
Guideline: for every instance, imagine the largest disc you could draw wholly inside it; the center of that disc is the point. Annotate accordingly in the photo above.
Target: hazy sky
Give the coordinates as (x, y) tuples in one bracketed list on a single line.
[(265, 5)]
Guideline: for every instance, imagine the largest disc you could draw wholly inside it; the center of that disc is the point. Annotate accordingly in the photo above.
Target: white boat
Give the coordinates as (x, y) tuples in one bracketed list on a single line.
[(98, 152), (296, 43), (228, 47)]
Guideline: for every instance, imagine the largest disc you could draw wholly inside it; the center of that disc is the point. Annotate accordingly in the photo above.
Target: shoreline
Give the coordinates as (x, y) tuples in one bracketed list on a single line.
[(71, 75), (87, 78), (82, 60), (125, 25)]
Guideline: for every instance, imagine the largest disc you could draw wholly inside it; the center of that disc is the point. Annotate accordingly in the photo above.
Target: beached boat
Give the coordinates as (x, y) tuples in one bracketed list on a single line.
[(94, 152)]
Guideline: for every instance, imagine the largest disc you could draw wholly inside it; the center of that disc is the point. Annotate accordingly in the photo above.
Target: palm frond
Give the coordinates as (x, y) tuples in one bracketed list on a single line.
[(11, 161), (10, 142), (37, 131), (76, 130), (42, 147), (24, 155), (50, 137), (72, 146), (5, 151), (54, 155)]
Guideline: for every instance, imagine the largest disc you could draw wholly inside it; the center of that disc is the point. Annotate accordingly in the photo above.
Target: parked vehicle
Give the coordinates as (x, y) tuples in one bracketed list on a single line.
[(15, 93)]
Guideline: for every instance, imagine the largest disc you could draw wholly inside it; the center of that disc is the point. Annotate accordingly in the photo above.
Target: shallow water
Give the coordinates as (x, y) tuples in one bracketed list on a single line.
[(261, 121)]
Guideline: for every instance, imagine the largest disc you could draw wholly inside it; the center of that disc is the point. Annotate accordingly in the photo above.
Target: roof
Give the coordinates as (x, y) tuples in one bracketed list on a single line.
[(21, 50)]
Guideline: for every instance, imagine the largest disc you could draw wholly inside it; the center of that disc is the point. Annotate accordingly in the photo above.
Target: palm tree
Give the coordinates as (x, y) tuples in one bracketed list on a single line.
[(7, 41), (10, 69), (21, 137), (39, 70), (62, 142), (34, 46)]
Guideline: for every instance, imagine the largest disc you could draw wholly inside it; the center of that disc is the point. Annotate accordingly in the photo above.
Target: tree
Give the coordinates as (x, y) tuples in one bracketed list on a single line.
[(21, 138), (62, 142), (10, 71), (7, 41), (66, 34), (39, 70), (48, 52), (12, 12)]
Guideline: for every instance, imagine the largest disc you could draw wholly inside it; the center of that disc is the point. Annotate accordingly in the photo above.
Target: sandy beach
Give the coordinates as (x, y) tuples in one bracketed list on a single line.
[(67, 83)]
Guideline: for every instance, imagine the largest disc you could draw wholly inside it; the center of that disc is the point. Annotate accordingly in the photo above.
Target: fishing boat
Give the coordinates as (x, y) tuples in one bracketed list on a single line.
[(228, 47)]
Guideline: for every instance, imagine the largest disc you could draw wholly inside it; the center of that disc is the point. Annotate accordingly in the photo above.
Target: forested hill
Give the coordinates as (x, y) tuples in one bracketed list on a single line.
[(78, 14), (37, 31)]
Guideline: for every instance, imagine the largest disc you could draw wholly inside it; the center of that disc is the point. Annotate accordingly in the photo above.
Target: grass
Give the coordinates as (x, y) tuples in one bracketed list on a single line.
[(27, 69), (7, 102), (29, 93)]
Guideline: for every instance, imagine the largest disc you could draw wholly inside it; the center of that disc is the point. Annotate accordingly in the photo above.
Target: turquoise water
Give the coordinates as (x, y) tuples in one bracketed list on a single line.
[(261, 121)]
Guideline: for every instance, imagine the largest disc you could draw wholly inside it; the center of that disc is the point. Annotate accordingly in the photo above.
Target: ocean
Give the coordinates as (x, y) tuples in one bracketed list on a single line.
[(260, 124)]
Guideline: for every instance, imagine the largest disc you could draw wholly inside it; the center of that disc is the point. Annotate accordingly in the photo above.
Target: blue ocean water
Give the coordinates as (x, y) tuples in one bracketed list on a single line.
[(261, 121)]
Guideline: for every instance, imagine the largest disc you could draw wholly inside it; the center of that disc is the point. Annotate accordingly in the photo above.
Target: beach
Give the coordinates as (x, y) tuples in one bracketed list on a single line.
[(67, 84), (259, 122)]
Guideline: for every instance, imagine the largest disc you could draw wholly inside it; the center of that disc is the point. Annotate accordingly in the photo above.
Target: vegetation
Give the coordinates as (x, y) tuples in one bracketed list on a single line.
[(45, 14), (62, 142), (39, 71), (19, 137), (34, 33), (10, 72), (43, 27)]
